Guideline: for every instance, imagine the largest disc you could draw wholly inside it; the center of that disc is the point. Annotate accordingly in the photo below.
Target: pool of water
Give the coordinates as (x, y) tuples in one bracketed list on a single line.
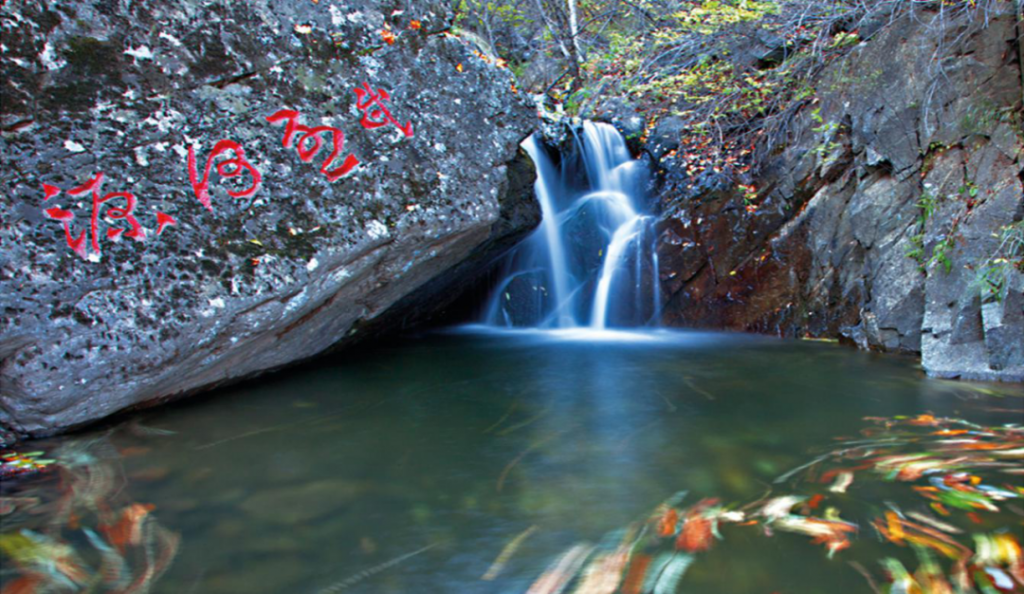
[(411, 467)]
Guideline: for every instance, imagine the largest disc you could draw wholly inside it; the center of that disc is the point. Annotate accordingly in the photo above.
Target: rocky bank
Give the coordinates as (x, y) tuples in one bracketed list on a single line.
[(874, 223), (198, 192)]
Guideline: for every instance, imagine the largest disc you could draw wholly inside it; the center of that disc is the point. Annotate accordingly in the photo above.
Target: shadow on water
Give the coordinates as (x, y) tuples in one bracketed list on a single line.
[(426, 465)]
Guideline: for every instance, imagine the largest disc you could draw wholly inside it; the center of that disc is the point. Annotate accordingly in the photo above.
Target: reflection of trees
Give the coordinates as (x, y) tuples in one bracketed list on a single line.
[(75, 530)]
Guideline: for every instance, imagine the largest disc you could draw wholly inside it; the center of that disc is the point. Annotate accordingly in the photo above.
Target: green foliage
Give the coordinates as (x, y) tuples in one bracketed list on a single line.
[(968, 190), (983, 117), (692, 59), (992, 274), (828, 130), (574, 101), (708, 83), (853, 77), (843, 39), (916, 249), (682, 64), (508, 13), (935, 149), (927, 204), (940, 254), (711, 16)]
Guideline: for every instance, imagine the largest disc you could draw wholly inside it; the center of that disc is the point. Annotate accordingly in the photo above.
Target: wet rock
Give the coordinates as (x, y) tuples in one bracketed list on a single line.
[(586, 236), (265, 252), (958, 340), (1002, 321), (624, 116), (836, 246), (526, 299), (666, 136)]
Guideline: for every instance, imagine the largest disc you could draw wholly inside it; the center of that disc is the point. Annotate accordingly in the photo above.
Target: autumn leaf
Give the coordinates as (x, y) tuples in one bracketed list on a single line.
[(696, 535), (667, 523)]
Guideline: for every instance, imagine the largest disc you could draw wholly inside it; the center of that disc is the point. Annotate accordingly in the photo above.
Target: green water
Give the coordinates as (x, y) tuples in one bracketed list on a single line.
[(449, 446)]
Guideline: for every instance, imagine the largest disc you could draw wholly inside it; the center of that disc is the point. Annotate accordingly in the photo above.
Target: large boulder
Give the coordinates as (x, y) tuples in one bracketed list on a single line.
[(900, 186), (198, 191)]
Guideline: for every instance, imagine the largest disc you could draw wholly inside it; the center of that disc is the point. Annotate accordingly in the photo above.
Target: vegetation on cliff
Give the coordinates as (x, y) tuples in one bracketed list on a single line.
[(735, 71), (827, 168)]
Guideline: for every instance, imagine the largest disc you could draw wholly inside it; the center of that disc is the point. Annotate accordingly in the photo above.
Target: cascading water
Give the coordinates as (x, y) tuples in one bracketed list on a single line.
[(591, 263)]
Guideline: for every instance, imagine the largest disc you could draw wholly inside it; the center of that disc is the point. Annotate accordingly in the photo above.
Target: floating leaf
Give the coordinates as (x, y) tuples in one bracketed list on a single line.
[(669, 578)]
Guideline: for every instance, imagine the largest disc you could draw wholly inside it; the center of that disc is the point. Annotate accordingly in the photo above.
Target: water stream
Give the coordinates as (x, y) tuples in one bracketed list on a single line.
[(591, 263), (448, 447), (467, 462)]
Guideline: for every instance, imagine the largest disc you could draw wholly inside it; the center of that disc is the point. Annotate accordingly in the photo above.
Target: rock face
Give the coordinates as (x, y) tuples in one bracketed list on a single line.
[(900, 190), (196, 192)]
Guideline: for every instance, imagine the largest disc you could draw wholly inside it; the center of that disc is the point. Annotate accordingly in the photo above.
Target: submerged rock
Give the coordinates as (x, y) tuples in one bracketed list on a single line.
[(876, 217), (293, 505), (196, 193)]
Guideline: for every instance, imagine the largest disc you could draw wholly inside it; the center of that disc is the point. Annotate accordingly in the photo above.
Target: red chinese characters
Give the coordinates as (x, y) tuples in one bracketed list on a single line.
[(77, 244), (122, 209), (163, 220), (310, 142), (375, 113), (226, 168), (117, 209)]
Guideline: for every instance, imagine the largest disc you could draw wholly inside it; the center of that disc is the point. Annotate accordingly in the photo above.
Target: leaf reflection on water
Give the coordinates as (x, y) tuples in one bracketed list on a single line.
[(44, 529), (957, 462)]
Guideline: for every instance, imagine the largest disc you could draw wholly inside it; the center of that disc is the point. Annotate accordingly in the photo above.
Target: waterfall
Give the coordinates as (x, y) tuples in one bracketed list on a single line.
[(591, 263)]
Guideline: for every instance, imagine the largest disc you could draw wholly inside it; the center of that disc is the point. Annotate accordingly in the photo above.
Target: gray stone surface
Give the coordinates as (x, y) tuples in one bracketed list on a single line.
[(828, 252), (961, 337), (255, 281)]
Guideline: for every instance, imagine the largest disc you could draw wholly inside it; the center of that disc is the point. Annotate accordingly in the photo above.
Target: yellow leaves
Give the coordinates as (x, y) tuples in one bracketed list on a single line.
[(712, 15), (895, 527), (843, 38), (901, 531), (998, 549), (714, 83), (482, 56)]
